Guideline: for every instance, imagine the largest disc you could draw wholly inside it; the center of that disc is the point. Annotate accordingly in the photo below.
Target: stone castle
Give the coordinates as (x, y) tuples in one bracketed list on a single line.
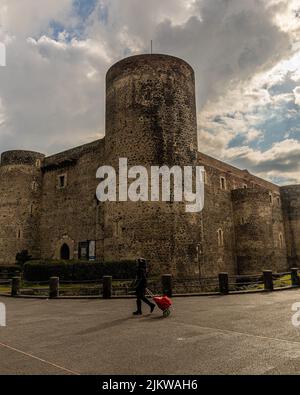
[(48, 204)]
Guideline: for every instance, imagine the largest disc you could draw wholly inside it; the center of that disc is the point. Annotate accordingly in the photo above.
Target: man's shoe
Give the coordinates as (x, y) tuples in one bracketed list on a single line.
[(152, 307), (137, 313)]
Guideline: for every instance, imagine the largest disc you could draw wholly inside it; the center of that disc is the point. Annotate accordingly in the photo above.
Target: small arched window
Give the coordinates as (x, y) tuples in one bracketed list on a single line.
[(280, 240), (65, 252), (223, 183), (34, 186), (204, 176), (19, 234), (220, 237)]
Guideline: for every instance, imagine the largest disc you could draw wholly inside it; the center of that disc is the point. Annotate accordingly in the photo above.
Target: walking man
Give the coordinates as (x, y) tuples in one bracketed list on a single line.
[(140, 287)]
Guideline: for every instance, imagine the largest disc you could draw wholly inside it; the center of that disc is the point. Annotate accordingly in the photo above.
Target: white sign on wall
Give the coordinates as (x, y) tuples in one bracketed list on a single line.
[(92, 250), (2, 314)]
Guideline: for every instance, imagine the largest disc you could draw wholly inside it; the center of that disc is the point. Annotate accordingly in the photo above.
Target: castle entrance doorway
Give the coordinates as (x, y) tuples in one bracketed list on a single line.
[(65, 252)]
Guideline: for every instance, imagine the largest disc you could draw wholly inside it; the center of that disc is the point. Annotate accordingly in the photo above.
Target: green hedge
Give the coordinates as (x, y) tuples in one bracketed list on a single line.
[(78, 270), (9, 270)]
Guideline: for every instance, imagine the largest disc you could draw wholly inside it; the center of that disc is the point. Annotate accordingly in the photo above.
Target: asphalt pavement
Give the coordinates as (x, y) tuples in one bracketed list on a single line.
[(234, 334)]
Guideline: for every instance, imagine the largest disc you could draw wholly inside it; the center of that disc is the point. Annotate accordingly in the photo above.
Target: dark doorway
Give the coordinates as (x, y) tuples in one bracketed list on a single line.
[(65, 252)]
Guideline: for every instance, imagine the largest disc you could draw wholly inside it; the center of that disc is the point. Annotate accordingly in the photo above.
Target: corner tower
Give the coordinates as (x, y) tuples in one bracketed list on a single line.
[(20, 189), (290, 197), (259, 231)]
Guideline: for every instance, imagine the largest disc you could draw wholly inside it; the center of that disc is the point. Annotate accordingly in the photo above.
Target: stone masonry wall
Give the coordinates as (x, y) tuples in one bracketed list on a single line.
[(247, 223)]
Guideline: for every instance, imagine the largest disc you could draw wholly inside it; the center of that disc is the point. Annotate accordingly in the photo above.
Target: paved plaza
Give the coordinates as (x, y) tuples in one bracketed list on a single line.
[(234, 334)]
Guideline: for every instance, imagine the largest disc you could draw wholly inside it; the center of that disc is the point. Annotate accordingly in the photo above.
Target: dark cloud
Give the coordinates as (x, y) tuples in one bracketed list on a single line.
[(228, 41)]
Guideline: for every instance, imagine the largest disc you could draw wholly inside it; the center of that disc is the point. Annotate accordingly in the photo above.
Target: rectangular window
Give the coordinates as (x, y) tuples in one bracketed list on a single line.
[(61, 181), (278, 201), (83, 250)]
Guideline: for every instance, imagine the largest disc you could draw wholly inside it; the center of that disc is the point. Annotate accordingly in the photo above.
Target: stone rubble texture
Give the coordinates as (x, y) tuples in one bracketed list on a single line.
[(151, 120)]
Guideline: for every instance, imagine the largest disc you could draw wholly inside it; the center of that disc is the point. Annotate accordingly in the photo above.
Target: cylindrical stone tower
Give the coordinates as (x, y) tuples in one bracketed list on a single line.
[(290, 197), (151, 111), (259, 232), (151, 121), (20, 190)]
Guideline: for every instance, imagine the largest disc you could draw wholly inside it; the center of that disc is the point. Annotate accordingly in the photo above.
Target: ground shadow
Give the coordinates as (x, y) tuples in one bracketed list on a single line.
[(105, 325)]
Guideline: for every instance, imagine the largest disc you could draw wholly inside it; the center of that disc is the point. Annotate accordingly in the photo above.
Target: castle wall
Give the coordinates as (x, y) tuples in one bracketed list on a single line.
[(71, 214), (247, 223), (222, 213)]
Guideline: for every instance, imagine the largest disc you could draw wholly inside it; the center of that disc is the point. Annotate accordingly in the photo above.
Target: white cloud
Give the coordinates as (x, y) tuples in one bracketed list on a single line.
[(297, 95), (52, 92), (52, 95), (280, 161), (30, 17)]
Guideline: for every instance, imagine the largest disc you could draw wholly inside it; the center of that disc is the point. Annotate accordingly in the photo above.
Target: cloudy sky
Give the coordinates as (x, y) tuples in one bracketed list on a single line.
[(246, 55)]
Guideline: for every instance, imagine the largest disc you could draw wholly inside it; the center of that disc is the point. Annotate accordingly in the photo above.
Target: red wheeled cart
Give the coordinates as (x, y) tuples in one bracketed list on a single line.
[(164, 303)]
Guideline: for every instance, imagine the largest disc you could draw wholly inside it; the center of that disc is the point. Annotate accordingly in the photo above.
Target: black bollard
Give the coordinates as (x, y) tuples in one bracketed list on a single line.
[(53, 287), (295, 277), (268, 280), (15, 286), (223, 283), (107, 287), (166, 281)]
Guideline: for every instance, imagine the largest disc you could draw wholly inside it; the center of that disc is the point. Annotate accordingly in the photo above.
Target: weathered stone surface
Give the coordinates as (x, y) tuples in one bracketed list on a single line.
[(48, 203)]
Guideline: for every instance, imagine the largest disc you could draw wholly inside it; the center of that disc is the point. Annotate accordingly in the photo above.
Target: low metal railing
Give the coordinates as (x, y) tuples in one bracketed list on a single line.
[(108, 287)]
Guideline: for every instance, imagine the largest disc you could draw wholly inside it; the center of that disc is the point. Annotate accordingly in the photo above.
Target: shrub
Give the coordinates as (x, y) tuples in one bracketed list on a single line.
[(22, 257), (8, 271), (42, 270)]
